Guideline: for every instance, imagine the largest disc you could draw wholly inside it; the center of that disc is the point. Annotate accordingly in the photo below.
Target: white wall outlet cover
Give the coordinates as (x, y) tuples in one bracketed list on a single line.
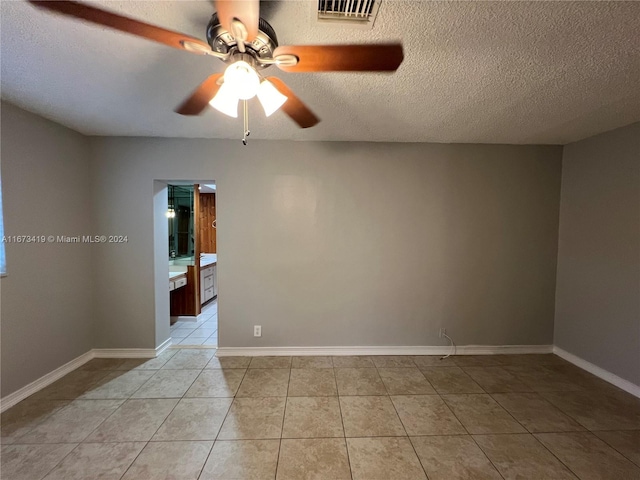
[(257, 331)]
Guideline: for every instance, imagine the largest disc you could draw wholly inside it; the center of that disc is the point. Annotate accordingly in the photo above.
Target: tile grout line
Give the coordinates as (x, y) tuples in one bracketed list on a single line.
[(81, 441), (611, 446), (213, 443), (400, 419), (284, 414), (204, 464), (134, 460), (486, 455), (46, 417), (555, 456), (563, 411), (179, 340), (165, 418), (410, 441), (526, 430), (344, 431), (230, 406), (303, 438), (59, 462), (108, 372), (471, 436)]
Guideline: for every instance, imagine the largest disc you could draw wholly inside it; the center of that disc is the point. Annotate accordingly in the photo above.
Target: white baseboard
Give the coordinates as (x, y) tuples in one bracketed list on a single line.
[(46, 380), (605, 375), (37, 385), (503, 349), (163, 346), (194, 347), (184, 318), (124, 352), (392, 350), (19, 395), (131, 352)]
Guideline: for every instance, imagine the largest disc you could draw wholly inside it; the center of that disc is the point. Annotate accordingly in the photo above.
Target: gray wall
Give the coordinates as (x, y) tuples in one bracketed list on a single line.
[(329, 244), (46, 297), (598, 287)]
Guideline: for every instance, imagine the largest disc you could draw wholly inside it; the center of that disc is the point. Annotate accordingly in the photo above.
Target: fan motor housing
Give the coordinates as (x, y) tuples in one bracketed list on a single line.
[(262, 47)]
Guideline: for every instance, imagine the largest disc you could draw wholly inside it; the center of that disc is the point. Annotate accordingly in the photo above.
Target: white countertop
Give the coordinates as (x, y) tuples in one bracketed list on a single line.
[(208, 259), (173, 275), (183, 261)]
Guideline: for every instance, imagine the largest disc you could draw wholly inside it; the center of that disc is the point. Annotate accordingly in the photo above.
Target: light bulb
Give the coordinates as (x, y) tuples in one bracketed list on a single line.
[(225, 101), (270, 98), (242, 80)]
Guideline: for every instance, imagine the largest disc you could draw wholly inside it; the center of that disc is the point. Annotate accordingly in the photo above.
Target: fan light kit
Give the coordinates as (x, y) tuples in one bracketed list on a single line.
[(242, 82), (248, 44)]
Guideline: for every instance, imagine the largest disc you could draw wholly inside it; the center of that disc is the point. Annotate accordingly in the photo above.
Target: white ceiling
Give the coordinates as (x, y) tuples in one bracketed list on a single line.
[(489, 72)]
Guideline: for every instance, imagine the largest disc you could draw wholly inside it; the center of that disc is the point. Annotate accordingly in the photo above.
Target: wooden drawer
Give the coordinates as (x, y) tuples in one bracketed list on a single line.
[(181, 282), (208, 282)]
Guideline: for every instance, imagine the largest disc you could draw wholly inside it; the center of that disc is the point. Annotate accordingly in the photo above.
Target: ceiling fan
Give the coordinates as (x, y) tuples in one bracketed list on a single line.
[(248, 44)]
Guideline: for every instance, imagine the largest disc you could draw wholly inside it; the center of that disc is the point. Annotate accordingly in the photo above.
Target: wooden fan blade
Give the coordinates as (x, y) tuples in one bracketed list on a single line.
[(294, 107), (247, 11), (343, 58), (201, 96), (124, 24)]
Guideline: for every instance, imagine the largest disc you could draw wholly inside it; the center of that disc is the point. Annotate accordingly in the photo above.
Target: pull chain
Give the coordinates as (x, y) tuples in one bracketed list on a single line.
[(245, 112)]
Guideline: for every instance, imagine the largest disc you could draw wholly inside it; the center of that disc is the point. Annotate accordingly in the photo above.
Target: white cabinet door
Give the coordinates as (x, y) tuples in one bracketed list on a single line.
[(208, 271), (208, 294)]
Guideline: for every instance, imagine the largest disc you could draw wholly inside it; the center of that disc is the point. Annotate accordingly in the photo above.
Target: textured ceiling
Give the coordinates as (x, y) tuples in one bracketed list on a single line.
[(488, 72)]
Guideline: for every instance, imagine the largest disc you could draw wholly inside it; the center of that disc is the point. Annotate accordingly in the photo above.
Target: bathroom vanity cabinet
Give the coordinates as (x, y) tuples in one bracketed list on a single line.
[(208, 282)]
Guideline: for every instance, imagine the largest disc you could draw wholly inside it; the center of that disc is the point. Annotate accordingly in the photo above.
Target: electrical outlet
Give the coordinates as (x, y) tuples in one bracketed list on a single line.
[(257, 331), (442, 333)]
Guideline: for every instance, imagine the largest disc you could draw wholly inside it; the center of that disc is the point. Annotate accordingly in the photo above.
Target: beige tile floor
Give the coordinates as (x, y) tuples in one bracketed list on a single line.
[(203, 331), (190, 415)]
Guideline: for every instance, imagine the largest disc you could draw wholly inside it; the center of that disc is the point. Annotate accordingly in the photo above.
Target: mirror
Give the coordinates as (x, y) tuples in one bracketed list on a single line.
[(181, 222)]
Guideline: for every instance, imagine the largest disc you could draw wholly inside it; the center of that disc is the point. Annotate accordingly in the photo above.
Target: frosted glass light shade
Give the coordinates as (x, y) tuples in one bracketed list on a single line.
[(225, 101), (270, 98), (242, 79)]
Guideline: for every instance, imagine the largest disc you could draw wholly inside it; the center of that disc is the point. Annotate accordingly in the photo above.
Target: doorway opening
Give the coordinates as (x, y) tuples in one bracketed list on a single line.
[(193, 258)]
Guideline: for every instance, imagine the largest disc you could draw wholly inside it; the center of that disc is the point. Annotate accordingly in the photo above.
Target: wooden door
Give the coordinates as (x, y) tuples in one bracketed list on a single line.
[(207, 214)]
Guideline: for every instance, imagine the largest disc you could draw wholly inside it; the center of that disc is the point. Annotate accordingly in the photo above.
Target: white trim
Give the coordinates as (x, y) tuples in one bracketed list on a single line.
[(392, 350), (163, 346), (131, 352), (503, 349), (605, 375), (124, 352), (193, 347), (19, 395), (184, 318), (44, 381)]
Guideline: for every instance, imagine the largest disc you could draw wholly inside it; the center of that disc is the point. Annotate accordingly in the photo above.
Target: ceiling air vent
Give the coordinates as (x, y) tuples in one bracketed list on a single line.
[(358, 12)]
